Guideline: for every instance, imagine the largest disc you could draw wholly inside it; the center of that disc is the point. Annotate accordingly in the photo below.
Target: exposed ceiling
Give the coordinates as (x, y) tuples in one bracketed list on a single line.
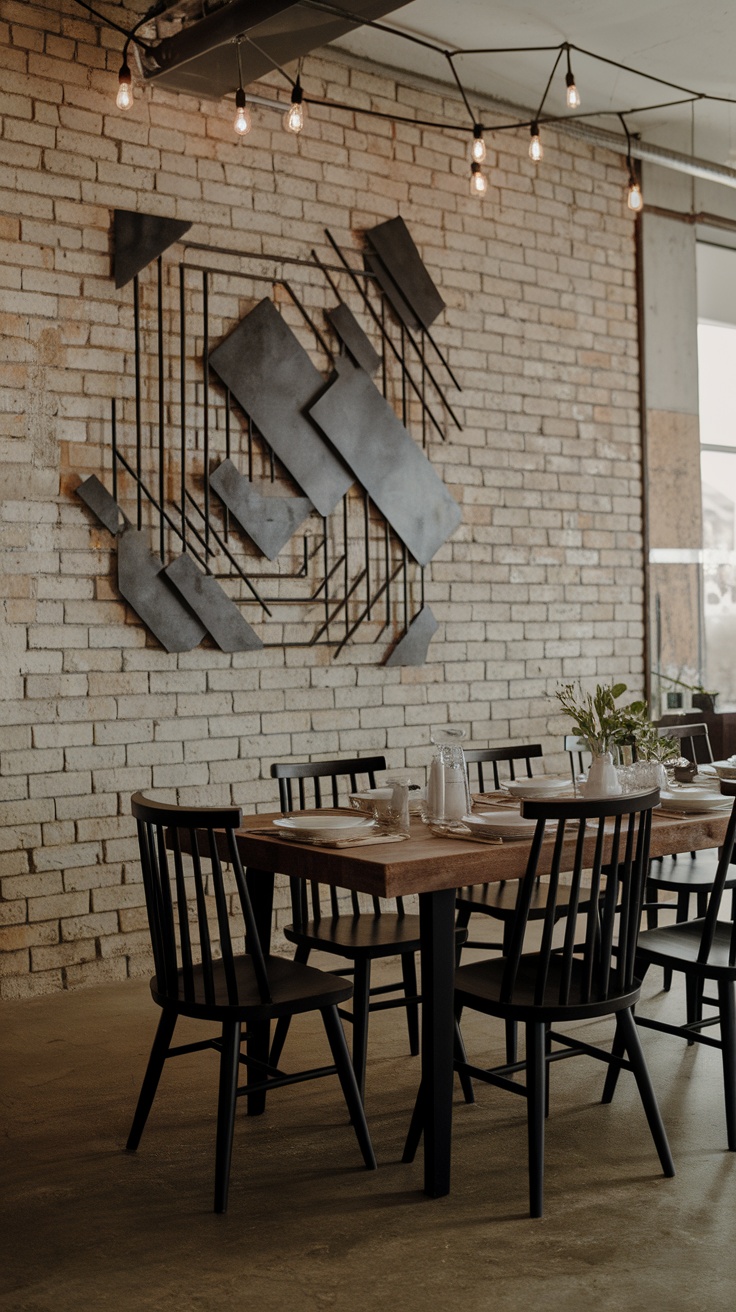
[(690, 44)]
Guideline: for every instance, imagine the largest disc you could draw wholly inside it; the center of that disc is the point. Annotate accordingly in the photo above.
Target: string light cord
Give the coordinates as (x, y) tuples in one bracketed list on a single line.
[(128, 33)]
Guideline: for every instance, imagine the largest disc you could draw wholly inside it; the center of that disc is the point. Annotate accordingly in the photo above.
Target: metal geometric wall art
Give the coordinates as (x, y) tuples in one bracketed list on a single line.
[(262, 465)]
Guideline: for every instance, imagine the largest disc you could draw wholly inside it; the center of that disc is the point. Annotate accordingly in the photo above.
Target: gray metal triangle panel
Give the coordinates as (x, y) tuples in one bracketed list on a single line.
[(413, 647), (143, 584), (141, 238), (211, 604)]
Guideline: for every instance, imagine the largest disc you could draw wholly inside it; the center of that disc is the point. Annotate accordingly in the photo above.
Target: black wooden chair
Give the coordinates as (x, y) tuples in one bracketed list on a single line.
[(499, 900), (694, 740), (679, 878), (558, 984), (199, 924), (704, 950), (360, 937)]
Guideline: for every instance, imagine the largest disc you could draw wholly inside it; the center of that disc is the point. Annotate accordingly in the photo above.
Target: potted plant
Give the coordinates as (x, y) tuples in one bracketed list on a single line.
[(602, 726)]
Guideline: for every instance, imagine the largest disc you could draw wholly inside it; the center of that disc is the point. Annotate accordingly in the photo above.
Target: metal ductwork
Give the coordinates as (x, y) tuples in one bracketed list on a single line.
[(194, 51)]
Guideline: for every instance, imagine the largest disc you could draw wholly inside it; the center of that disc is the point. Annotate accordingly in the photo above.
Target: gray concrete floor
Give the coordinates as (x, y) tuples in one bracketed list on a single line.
[(84, 1225)]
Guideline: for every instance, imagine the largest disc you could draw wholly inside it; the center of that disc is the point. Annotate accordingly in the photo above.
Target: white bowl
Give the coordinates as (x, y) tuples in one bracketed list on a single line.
[(725, 770), (371, 799)]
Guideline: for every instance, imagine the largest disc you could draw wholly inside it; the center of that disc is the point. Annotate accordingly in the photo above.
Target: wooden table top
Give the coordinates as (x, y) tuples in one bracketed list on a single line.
[(426, 864)]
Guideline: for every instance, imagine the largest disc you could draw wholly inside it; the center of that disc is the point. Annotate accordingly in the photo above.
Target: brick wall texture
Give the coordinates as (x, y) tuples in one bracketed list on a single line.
[(542, 581)]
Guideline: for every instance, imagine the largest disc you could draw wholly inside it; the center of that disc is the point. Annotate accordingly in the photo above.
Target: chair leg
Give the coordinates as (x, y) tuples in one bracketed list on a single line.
[(682, 912), (509, 1025), (727, 1006), (229, 1055), (625, 1021), (361, 1004), (416, 1129), (547, 1064), (282, 1024), (348, 1082), (693, 1003), (464, 912), (461, 1055), (257, 1041), (535, 1106), (409, 976), (164, 1035), (618, 1049)]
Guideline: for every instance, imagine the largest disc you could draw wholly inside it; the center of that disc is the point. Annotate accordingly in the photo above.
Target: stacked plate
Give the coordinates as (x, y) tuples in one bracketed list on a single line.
[(327, 827), (546, 786), (499, 824), (695, 801)]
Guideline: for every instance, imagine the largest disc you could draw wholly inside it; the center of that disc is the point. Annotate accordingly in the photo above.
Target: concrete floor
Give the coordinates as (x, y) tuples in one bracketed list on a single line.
[(84, 1225)]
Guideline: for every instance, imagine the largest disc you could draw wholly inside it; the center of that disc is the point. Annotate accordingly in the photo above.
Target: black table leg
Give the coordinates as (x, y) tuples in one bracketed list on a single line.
[(258, 1038), (437, 937)]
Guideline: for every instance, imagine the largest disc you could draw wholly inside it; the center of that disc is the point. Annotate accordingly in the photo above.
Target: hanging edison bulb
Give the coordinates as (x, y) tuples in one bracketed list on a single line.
[(243, 122), (634, 198), (124, 98), (478, 180), (573, 95), (295, 114), (535, 145), (478, 148)]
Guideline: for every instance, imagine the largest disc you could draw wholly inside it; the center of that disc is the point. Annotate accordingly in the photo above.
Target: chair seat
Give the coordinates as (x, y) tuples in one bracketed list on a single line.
[(684, 879), (478, 985), (294, 988), (499, 900), (356, 936), (678, 945)]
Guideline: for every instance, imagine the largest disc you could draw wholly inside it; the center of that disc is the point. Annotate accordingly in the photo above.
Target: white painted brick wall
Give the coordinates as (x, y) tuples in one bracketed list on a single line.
[(542, 581)]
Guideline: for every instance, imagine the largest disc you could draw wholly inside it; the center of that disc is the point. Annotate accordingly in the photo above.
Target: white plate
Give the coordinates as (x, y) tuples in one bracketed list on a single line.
[(544, 786), (328, 826), (696, 800), (499, 824)]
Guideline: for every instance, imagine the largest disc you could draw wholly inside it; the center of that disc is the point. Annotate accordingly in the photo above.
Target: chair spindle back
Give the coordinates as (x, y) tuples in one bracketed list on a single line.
[(329, 773), (612, 832), (513, 754), (190, 910)]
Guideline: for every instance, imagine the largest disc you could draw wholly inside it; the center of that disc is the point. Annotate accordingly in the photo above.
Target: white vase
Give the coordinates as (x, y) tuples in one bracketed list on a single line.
[(602, 781)]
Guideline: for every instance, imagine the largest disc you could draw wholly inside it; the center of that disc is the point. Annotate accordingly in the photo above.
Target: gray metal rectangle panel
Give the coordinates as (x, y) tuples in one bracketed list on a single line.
[(143, 583), (396, 250), (269, 520), (353, 338), (272, 377), (394, 471), (211, 604), (95, 495), (402, 309)]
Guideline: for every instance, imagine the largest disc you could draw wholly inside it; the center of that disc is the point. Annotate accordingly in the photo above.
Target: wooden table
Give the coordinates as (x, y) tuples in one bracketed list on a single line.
[(433, 868)]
